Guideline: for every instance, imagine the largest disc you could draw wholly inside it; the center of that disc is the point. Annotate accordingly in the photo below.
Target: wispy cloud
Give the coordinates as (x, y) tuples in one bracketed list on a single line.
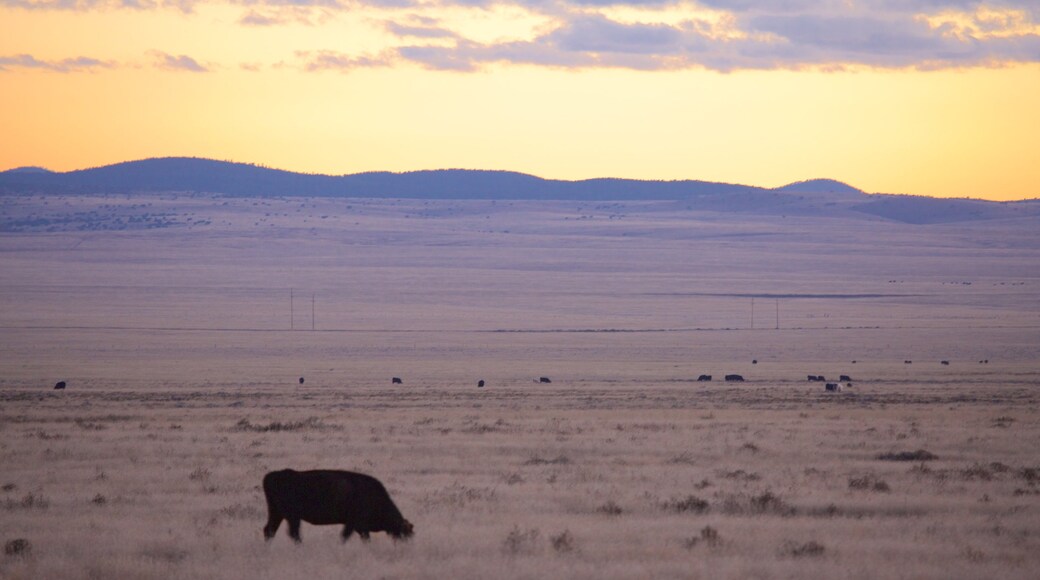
[(325, 60), (66, 65), (181, 62), (418, 31)]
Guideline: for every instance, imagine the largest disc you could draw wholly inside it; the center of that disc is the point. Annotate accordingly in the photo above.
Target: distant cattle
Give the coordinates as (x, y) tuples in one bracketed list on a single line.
[(544, 380), (735, 378), (944, 362), (907, 362), (396, 381), (845, 378), (480, 383), (816, 378), (754, 362), (59, 385), (301, 380), (833, 387), (328, 497), (853, 362), (704, 378)]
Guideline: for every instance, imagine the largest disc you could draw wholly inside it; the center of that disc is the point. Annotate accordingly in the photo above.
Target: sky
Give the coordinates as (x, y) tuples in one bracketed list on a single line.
[(926, 97)]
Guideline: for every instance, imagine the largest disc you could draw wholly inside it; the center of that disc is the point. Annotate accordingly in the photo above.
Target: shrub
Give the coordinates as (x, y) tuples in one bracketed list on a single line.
[(762, 504), (919, 455), (801, 550), (688, 504), (562, 542), (310, 423), (521, 541), (610, 508), (200, 474), (17, 547), (558, 460), (869, 482), (708, 535)]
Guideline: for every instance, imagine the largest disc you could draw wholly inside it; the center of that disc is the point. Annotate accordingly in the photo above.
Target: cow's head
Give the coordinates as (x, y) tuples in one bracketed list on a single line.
[(404, 531)]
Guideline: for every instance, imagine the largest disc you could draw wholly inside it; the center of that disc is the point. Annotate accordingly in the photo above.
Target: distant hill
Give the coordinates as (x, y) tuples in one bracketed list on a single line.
[(821, 197), (819, 186), (27, 169)]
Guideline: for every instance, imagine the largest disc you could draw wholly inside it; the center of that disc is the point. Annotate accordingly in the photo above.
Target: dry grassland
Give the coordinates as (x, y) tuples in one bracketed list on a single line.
[(183, 392)]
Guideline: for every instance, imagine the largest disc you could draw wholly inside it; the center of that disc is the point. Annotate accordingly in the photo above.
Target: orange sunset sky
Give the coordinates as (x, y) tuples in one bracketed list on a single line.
[(928, 97)]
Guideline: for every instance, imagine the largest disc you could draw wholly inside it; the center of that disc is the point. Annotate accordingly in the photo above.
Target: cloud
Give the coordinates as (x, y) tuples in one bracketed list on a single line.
[(420, 31), (324, 60), (180, 62), (721, 35), (67, 65), (769, 42)]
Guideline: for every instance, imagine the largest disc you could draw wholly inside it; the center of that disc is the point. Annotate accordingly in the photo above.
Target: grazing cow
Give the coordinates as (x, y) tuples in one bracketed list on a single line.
[(754, 362), (301, 380), (704, 378), (544, 380), (833, 387), (396, 381), (944, 362), (818, 378), (853, 362), (480, 383), (735, 378), (328, 497), (908, 362), (59, 385), (845, 378)]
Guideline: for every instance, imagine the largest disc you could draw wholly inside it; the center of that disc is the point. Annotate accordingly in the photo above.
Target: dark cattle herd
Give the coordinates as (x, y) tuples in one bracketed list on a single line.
[(329, 497)]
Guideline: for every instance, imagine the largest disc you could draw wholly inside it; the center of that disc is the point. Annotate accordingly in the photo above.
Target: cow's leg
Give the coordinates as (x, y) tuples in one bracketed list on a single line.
[(294, 530), (274, 520), (347, 532)]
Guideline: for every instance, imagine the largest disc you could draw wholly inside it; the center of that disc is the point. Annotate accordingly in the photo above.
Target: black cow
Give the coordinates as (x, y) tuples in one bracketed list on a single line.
[(480, 383), (944, 362), (754, 362), (817, 378), (736, 378), (844, 378), (301, 380), (908, 362), (59, 385), (396, 381), (544, 380), (704, 378), (835, 387), (327, 497)]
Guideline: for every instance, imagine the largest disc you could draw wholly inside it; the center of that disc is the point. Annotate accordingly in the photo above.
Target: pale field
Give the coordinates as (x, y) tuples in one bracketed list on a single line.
[(177, 348)]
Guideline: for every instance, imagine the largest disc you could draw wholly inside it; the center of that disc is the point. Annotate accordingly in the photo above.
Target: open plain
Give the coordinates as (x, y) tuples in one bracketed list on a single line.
[(182, 324)]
